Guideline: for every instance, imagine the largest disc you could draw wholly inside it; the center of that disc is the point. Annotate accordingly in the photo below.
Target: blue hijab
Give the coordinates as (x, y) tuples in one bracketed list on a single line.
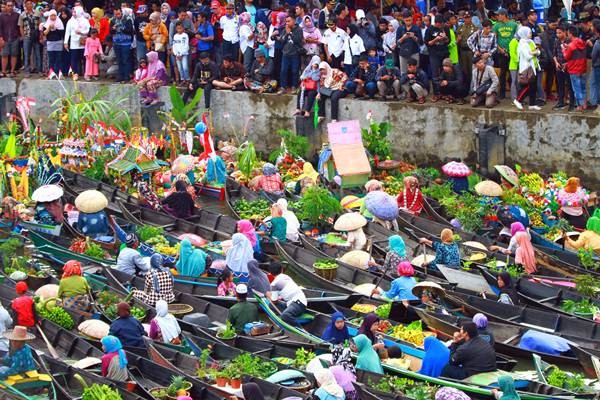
[(334, 335), (367, 357), (112, 344), (192, 262), (397, 245), (436, 357)]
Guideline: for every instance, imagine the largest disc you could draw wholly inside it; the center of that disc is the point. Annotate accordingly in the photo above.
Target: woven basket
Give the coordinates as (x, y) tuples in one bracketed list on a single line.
[(326, 273), (180, 309)]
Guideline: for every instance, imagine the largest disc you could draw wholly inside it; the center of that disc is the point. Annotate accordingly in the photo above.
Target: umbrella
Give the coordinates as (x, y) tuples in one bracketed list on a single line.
[(456, 169), (431, 286), (183, 164), (349, 222), (488, 188), (508, 174), (91, 201), (382, 205), (350, 201), (47, 193)]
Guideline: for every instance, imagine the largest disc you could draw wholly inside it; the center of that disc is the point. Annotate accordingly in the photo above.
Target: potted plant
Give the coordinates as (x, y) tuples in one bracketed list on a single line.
[(318, 206), (227, 333), (179, 387), (235, 377), (222, 378)]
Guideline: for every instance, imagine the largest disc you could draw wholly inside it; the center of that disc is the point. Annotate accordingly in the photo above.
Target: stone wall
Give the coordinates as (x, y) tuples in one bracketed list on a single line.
[(544, 141)]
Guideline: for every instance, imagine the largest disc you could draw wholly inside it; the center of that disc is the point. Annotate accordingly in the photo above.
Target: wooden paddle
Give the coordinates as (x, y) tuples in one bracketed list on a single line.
[(424, 251), (379, 279), (51, 348)]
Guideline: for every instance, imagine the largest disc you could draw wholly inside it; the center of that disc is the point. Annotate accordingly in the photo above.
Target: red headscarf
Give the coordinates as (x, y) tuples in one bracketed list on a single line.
[(405, 269), (21, 287), (71, 267)]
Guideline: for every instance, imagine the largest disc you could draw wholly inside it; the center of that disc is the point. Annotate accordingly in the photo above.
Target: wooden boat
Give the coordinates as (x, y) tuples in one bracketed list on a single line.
[(581, 332), (478, 386), (75, 183), (188, 365), (544, 369), (507, 337), (53, 230)]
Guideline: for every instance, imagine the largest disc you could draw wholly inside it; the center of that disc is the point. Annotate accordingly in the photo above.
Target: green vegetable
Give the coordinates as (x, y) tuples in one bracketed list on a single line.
[(148, 232), (252, 209), (324, 263), (403, 386), (94, 250), (318, 206), (47, 309), (246, 159), (100, 392), (586, 259), (587, 285), (581, 307), (565, 380), (303, 357), (8, 249), (294, 145), (376, 141), (228, 332), (383, 311)]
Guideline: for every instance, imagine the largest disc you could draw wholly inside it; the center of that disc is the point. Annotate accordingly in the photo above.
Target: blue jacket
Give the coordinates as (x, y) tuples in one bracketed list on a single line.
[(129, 331)]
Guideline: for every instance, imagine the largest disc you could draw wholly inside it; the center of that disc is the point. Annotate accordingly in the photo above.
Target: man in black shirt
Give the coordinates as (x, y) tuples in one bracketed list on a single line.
[(452, 82), (408, 40), (437, 38), (469, 354), (205, 73), (363, 79), (232, 75)]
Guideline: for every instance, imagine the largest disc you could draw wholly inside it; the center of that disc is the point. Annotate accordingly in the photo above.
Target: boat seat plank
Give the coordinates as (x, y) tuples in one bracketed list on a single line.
[(551, 298), (510, 339), (513, 318)]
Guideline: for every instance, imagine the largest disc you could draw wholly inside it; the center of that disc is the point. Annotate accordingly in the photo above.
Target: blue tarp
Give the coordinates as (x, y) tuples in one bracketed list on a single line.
[(544, 343)]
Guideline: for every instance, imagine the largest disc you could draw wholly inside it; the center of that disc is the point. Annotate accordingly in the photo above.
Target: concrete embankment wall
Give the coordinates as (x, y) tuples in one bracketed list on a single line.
[(545, 141)]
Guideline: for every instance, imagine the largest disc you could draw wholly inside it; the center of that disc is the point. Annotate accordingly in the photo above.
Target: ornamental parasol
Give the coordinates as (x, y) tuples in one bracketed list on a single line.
[(183, 164), (382, 205), (91, 201), (456, 169), (488, 188), (350, 201), (508, 174), (349, 222), (47, 193)]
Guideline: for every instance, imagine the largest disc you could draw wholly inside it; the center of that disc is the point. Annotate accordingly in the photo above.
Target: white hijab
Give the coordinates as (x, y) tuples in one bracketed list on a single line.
[(169, 327), (57, 23), (292, 223), (328, 383)]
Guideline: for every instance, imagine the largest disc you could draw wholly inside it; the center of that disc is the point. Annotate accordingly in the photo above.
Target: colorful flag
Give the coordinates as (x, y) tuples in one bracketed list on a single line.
[(51, 74), (60, 75)]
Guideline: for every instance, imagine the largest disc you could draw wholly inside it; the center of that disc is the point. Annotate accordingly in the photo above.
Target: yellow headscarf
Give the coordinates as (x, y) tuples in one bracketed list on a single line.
[(98, 12), (308, 171)]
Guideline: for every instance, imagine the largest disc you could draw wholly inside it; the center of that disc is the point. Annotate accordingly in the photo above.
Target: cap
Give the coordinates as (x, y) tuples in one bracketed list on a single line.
[(531, 11), (241, 288), (141, 9), (259, 53), (360, 14), (389, 63), (447, 62), (502, 11)]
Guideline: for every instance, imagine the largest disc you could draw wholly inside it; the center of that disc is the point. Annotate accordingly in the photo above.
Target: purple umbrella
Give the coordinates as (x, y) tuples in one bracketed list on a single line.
[(382, 205)]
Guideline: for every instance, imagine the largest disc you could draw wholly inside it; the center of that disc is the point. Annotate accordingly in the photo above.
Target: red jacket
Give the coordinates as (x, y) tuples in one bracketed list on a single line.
[(23, 308), (575, 55)]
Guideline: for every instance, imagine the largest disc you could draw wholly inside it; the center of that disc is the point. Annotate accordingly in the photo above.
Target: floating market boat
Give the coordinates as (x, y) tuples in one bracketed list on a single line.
[(544, 370)]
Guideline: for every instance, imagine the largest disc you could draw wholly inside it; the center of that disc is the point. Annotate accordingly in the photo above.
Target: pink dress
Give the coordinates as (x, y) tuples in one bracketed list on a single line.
[(92, 47)]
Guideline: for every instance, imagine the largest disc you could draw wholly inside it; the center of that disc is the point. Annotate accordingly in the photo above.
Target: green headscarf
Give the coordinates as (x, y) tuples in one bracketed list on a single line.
[(593, 224), (507, 387), (367, 357), (397, 245)]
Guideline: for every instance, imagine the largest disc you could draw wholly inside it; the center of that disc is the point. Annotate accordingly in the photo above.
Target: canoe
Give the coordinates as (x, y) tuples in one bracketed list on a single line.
[(581, 332), (188, 365), (506, 336), (53, 230), (476, 386), (543, 370)]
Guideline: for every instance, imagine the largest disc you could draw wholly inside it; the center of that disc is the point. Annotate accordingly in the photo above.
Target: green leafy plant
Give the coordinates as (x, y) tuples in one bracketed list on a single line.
[(586, 259), (147, 232), (94, 250), (252, 209), (8, 249), (292, 144), (575, 382), (582, 306), (404, 387), (376, 141), (318, 205), (248, 364), (96, 169), (439, 192), (303, 357), (587, 285), (228, 332), (178, 384), (247, 159), (182, 112), (566, 380), (100, 392)]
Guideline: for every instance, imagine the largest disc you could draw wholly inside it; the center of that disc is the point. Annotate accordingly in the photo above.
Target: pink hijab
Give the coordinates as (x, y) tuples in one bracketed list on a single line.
[(245, 18), (246, 228), (525, 254), (154, 64), (516, 227)]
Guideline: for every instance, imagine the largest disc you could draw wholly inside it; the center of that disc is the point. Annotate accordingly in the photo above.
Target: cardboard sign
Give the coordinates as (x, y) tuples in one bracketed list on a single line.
[(344, 132), (350, 159)]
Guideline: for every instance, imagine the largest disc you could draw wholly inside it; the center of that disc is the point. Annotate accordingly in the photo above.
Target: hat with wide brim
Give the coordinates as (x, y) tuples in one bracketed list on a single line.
[(349, 222), (91, 201), (356, 258), (431, 286), (350, 201), (47, 193), (488, 188), (421, 259), (19, 333), (475, 245), (382, 205), (456, 169), (508, 174)]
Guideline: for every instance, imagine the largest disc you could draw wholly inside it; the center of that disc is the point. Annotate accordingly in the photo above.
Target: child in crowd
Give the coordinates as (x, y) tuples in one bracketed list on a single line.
[(92, 54), (181, 51), (225, 287)]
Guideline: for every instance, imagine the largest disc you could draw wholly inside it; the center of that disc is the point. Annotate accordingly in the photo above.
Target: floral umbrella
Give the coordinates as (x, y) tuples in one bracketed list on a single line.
[(456, 169), (183, 164), (508, 174), (382, 205)]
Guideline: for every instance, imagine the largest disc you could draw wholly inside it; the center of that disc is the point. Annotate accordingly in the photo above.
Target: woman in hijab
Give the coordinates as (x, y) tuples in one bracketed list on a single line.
[(369, 329), (246, 228), (396, 253), (114, 360), (292, 223), (343, 371), (73, 288), (165, 10), (401, 288), (446, 251), (528, 65), (275, 47), (238, 256), (270, 181), (257, 279), (75, 34), (309, 83), (590, 238), (158, 283), (436, 357), (180, 203), (157, 35), (508, 294), (54, 31), (572, 199), (334, 80), (515, 228), (411, 198), (261, 36), (100, 22), (337, 331), (328, 387), (154, 76), (126, 328), (353, 47), (481, 322), (164, 327), (246, 33), (525, 255), (312, 40), (507, 390), (192, 262), (367, 358)]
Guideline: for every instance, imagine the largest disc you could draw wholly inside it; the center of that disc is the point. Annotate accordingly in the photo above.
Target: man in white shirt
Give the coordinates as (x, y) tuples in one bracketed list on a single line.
[(289, 292), (231, 39), (333, 41)]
